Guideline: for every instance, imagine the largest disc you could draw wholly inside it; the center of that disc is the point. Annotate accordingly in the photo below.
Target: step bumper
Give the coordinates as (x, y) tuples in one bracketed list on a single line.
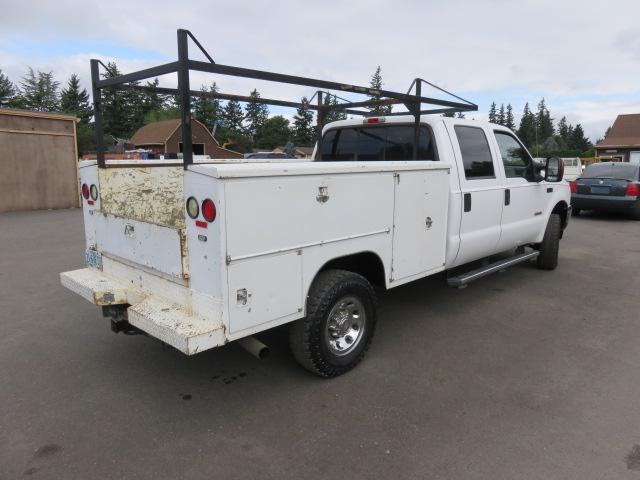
[(169, 322)]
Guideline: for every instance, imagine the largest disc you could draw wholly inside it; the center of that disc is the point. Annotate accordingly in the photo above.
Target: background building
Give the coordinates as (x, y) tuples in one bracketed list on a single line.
[(165, 137), (623, 141)]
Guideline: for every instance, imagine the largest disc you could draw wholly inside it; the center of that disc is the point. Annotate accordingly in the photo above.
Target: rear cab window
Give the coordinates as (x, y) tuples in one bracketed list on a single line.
[(376, 143)]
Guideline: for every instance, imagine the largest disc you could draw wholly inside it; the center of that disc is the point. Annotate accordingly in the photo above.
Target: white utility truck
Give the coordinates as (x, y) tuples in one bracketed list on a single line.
[(213, 252)]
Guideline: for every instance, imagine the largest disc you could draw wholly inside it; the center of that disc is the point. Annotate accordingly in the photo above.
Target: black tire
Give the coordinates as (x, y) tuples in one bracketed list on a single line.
[(310, 338), (548, 258), (636, 213), (575, 212)]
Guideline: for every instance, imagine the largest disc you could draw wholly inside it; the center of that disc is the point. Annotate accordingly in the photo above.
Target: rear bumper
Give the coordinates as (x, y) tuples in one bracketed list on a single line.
[(169, 322), (599, 202)]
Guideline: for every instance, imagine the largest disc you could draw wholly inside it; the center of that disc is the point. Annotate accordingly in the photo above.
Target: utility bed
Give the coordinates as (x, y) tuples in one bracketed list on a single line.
[(196, 284)]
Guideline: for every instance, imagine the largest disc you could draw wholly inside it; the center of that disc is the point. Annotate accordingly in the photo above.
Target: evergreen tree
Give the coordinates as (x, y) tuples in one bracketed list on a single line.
[(578, 140), (7, 90), (501, 117), (40, 91), (527, 129), (544, 122), (208, 109), (256, 115), (376, 83), (75, 100), (275, 132), (606, 133), (290, 149), (332, 115), (493, 116), (116, 116), (233, 116), (563, 129), (303, 130), (152, 99), (509, 121)]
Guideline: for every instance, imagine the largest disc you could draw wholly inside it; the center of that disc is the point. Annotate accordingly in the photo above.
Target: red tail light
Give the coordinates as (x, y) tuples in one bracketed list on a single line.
[(574, 187), (374, 120), (85, 191), (633, 190), (209, 210)]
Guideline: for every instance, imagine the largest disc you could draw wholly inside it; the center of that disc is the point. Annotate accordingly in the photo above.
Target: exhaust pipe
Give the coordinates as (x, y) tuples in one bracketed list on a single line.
[(255, 347)]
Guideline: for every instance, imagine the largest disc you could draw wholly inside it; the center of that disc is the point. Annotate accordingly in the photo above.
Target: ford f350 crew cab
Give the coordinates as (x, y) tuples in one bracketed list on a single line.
[(216, 252)]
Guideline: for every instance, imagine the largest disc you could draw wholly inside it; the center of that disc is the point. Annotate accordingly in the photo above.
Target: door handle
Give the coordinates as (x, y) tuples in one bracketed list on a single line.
[(550, 189), (467, 202), (507, 196)]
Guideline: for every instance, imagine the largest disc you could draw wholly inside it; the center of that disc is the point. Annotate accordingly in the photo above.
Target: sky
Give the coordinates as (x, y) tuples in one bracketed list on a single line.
[(583, 56)]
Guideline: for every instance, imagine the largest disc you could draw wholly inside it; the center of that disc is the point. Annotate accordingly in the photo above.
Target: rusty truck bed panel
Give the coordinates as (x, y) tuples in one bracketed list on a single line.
[(150, 194)]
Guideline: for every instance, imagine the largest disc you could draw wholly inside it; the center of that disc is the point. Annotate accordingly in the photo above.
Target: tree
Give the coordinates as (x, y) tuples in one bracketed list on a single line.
[(160, 114), (376, 84), (544, 122), (509, 121), (232, 116), (7, 90), (331, 114), (493, 116), (75, 100), (40, 91), (527, 129), (115, 112), (501, 117), (606, 133), (303, 130), (256, 115), (274, 132), (207, 109), (563, 129), (290, 149), (578, 141)]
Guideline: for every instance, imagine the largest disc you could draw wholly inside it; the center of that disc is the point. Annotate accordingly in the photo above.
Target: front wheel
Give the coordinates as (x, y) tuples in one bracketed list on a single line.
[(339, 326), (548, 258)]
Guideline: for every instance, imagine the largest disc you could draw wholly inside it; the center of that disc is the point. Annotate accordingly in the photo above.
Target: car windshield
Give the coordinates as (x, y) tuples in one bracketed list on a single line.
[(620, 171)]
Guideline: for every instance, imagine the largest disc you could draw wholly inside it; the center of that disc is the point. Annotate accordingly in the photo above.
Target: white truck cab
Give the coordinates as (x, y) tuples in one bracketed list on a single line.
[(223, 250)]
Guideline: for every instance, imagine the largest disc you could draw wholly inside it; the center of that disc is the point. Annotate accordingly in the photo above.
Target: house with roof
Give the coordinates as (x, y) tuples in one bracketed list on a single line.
[(165, 137), (622, 143)]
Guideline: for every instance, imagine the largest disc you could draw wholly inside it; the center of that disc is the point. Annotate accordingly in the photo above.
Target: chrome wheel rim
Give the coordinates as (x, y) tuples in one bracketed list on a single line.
[(345, 325)]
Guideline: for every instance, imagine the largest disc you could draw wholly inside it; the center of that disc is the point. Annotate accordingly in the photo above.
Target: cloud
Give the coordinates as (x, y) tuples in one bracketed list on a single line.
[(482, 49)]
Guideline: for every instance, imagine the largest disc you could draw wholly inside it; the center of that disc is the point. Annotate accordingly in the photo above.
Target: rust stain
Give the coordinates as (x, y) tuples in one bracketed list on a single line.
[(144, 193)]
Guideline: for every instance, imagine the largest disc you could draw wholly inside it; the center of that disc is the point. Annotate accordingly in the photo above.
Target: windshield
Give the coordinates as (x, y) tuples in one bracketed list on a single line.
[(620, 171)]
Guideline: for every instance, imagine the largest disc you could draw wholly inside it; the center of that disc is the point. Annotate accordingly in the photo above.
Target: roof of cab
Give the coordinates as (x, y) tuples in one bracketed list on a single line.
[(428, 119)]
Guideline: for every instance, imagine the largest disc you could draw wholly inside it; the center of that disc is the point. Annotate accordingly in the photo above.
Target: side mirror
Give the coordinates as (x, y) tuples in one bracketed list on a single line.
[(554, 169)]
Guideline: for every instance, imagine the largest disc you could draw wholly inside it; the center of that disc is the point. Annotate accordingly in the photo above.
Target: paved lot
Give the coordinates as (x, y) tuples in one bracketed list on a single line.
[(525, 374)]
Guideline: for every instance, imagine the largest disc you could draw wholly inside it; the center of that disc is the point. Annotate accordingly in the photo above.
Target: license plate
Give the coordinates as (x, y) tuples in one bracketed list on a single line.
[(600, 190), (94, 259)]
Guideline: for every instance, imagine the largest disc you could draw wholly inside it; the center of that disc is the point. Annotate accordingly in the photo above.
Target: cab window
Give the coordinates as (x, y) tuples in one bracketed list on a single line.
[(387, 142), (517, 162), (476, 156)]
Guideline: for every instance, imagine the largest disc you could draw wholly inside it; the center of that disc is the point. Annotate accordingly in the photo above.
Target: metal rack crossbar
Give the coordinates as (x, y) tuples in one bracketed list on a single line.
[(412, 101)]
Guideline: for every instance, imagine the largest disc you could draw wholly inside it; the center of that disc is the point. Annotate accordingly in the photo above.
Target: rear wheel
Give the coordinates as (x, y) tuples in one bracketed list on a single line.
[(339, 326), (548, 258)]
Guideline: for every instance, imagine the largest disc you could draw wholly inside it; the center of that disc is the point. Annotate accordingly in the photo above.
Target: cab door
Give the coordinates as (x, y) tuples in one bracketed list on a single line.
[(481, 190), (525, 196)]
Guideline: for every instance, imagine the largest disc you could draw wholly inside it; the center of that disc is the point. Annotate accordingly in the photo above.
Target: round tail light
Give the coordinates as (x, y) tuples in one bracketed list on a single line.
[(192, 207), (93, 191), (85, 191), (209, 210)]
